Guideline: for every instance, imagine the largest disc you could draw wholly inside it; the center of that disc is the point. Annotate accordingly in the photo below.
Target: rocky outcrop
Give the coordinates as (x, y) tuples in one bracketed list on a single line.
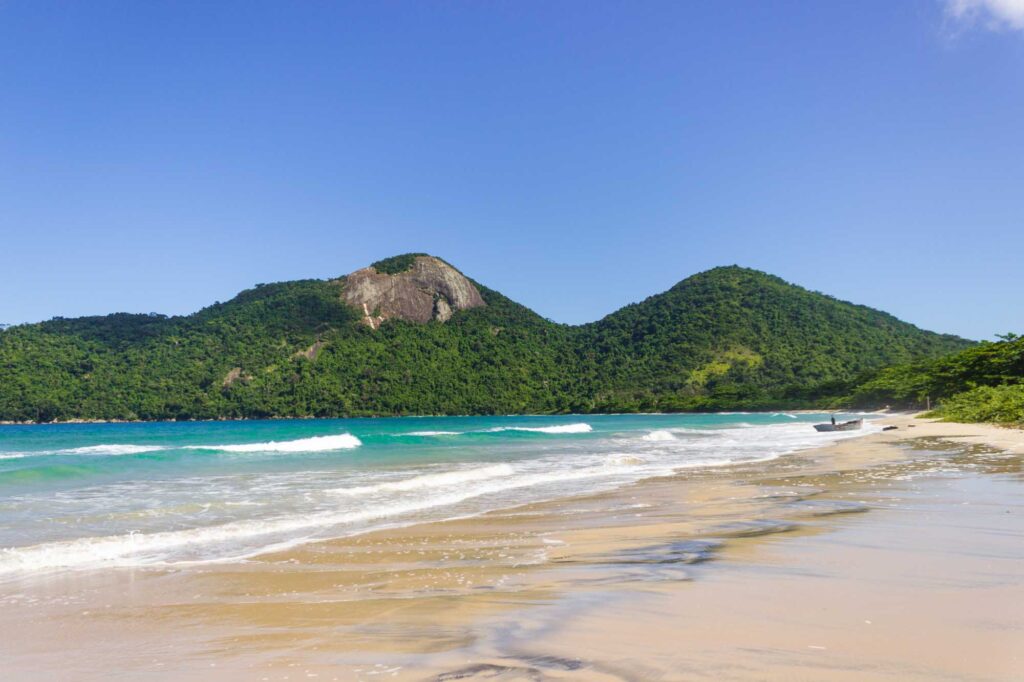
[(429, 289)]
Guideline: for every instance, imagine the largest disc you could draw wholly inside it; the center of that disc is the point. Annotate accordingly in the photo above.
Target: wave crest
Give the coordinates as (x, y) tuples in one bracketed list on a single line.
[(431, 433), (560, 428), (104, 449), (344, 441), (111, 449), (659, 435)]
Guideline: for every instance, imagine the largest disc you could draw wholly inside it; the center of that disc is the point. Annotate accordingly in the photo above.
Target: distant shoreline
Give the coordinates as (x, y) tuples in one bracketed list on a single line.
[(439, 416)]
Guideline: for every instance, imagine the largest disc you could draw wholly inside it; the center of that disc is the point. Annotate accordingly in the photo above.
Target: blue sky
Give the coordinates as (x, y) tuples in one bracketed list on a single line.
[(576, 156)]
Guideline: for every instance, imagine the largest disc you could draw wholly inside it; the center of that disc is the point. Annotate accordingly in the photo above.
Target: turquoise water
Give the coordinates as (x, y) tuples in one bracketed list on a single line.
[(82, 496)]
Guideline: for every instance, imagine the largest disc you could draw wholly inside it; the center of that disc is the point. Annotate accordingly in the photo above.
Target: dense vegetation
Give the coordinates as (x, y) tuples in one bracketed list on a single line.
[(734, 338), (984, 383), (728, 338), (396, 264)]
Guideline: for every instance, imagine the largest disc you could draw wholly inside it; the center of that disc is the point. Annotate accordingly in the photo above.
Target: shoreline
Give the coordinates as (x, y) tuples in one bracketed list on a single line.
[(430, 416), (631, 584)]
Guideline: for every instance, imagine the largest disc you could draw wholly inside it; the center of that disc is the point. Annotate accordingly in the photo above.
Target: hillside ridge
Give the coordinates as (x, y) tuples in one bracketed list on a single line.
[(438, 342)]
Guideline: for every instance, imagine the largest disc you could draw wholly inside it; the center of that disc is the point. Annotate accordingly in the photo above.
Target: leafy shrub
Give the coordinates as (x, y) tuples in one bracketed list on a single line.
[(999, 404), (911, 385)]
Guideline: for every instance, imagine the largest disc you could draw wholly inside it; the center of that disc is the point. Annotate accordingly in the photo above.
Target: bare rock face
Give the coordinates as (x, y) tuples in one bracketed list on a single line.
[(429, 290)]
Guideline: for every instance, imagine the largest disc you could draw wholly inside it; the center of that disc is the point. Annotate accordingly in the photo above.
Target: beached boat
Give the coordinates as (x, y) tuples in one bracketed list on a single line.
[(851, 425)]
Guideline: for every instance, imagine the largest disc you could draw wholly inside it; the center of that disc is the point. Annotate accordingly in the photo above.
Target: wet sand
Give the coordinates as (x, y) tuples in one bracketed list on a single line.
[(896, 556)]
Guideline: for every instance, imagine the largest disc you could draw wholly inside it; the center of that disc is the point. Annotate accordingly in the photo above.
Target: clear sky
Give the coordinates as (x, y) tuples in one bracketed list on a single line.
[(576, 156)]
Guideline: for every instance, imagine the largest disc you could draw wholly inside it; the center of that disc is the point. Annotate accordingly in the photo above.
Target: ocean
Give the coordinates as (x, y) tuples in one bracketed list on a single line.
[(170, 494)]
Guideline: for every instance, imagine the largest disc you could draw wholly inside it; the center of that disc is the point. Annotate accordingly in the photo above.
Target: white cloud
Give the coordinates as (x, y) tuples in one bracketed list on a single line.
[(993, 14)]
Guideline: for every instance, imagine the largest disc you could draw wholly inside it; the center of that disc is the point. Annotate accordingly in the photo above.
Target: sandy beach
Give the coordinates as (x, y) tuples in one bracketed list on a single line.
[(896, 556)]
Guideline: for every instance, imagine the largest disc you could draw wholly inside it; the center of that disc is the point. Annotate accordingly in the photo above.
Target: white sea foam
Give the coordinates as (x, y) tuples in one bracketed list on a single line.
[(105, 449), (431, 433), (177, 546), (297, 507), (111, 449), (659, 435), (624, 460), (426, 481), (557, 428), (560, 428), (344, 441)]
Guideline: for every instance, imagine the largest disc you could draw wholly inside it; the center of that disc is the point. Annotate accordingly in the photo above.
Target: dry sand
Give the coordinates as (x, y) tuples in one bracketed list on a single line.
[(897, 556)]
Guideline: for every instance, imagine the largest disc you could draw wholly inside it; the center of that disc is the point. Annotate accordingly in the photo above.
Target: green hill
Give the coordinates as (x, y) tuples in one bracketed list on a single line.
[(726, 338), (733, 337)]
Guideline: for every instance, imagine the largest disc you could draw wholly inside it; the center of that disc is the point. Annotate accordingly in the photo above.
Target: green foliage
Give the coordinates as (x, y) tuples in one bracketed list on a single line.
[(729, 338), (981, 383), (999, 404), (912, 385), (396, 264)]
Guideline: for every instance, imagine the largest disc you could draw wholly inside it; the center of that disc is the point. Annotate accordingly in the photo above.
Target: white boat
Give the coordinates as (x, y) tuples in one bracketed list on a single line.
[(851, 425)]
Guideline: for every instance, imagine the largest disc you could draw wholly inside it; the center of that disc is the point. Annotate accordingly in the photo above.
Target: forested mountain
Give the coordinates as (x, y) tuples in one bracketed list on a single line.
[(733, 337), (412, 335)]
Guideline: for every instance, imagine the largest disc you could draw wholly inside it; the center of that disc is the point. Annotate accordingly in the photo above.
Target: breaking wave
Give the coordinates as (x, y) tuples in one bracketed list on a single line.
[(290, 506), (112, 449), (553, 429), (345, 441), (431, 433), (561, 428), (241, 539), (105, 449)]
